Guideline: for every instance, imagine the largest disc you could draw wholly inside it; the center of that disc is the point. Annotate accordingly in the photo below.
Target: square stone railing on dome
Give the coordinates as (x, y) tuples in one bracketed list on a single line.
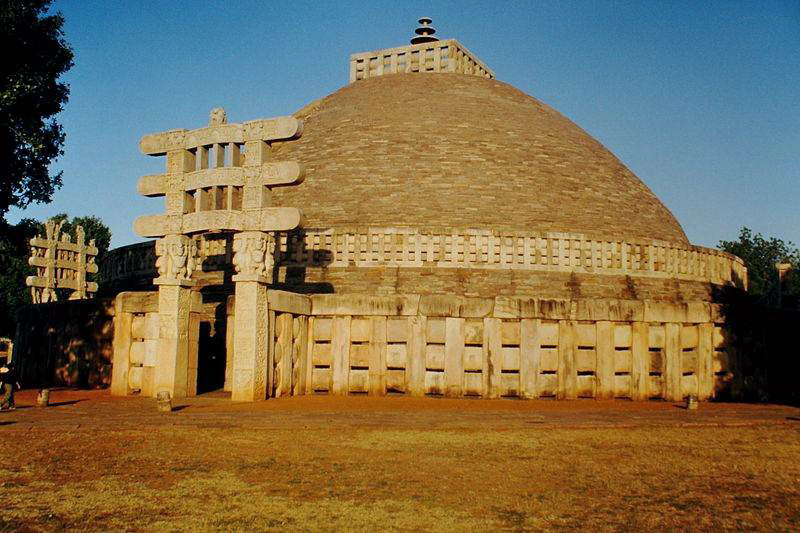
[(439, 56), (61, 264), (452, 248)]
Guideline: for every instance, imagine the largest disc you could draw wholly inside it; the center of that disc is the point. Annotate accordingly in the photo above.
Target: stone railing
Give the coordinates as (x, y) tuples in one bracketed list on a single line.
[(455, 346), (497, 347), (473, 249), (135, 263), (562, 252), (440, 56)]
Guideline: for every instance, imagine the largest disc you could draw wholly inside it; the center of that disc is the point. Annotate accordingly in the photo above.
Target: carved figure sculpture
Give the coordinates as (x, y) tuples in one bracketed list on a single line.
[(253, 253), (218, 117), (177, 257)]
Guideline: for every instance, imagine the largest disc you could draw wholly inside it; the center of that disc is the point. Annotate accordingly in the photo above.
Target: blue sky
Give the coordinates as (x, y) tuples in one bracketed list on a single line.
[(701, 100)]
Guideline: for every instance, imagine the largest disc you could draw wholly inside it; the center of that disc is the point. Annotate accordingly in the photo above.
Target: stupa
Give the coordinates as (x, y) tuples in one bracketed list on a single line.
[(457, 237)]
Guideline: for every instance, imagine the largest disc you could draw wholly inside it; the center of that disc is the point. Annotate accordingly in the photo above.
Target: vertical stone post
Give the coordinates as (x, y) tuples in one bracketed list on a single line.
[(340, 355), (705, 355), (454, 357), (176, 262), (377, 356), (640, 361), (80, 272), (492, 357), (253, 253), (229, 336), (606, 353), (250, 342), (415, 355), (122, 348), (172, 362), (673, 374), (530, 354), (567, 376)]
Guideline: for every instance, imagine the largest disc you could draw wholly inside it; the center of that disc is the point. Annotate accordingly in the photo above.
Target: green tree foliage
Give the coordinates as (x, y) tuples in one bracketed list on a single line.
[(34, 56), (14, 268), (760, 325), (760, 256), (14, 253)]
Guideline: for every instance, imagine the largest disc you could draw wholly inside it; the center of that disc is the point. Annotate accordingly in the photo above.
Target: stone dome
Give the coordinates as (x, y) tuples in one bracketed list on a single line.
[(459, 151)]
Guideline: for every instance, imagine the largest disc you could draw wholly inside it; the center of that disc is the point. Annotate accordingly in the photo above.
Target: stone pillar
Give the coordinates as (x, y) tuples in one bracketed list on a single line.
[(122, 350), (253, 261), (229, 336), (176, 262)]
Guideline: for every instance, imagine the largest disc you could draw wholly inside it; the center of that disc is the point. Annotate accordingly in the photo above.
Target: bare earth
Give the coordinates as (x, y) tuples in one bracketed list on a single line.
[(359, 463)]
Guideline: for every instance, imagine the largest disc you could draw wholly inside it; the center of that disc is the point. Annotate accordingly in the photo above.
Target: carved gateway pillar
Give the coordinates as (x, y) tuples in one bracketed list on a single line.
[(177, 259), (253, 261), (218, 180)]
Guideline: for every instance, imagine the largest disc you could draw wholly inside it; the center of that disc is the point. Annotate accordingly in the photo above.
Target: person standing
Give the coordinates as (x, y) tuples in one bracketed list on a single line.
[(7, 382)]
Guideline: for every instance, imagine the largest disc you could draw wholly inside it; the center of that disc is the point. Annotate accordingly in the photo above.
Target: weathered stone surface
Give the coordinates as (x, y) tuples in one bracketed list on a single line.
[(289, 302), (61, 264), (425, 57), (177, 258), (358, 304), (268, 175), (250, 350), (280, 128), (172, 362), (222, 193), (472, 122), (267, 219)]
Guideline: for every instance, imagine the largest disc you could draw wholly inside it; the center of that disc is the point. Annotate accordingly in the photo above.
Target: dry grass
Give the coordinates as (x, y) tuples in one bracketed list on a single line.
[(331, 475)]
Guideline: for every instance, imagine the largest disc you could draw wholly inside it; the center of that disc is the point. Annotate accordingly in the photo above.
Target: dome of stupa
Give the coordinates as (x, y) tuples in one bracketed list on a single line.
[(455, 150)]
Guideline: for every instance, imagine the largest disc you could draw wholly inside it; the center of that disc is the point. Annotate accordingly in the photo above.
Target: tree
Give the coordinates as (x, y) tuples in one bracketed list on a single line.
[(35, 55), (760, 256), (14, 268), (760, 325)]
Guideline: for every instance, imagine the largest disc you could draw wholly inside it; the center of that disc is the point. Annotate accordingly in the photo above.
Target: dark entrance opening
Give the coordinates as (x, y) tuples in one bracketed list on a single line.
[(211, 354)]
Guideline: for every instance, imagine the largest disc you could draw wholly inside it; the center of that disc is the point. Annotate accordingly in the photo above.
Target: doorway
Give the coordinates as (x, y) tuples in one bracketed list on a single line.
[(211, 352)]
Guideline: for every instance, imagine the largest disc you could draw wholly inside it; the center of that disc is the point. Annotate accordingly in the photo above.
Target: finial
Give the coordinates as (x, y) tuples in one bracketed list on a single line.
[(424, 34), (218, 117)]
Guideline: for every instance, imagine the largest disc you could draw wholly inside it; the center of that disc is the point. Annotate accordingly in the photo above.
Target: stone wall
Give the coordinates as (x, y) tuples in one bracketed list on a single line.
[(65, 343)]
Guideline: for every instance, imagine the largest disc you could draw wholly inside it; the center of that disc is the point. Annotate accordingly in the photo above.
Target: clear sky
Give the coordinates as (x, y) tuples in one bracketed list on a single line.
[(701, 100)]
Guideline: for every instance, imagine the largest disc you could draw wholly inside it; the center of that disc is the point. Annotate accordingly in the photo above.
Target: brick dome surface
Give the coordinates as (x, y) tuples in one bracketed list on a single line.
[(458, 151)]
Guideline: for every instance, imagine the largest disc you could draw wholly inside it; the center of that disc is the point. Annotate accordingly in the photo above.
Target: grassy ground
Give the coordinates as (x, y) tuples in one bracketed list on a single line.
[(310, 464)]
